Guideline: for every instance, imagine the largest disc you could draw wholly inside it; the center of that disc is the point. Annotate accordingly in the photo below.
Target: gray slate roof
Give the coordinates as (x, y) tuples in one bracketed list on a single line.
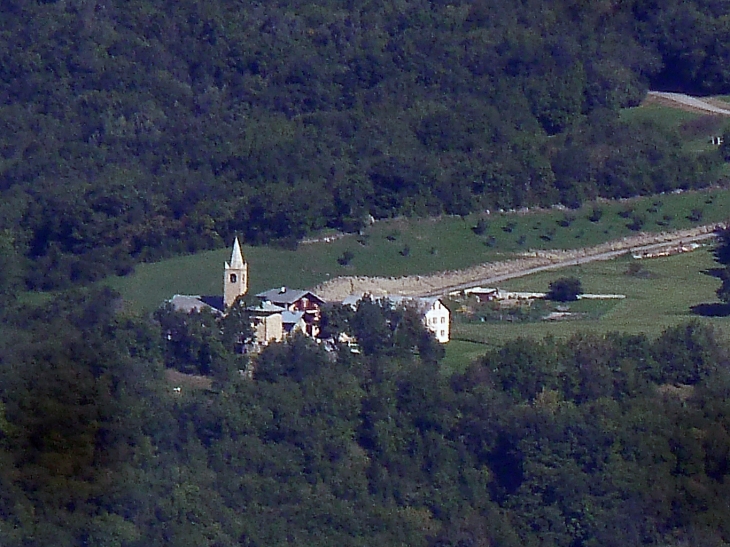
[(266, 307), (291, 317), (189, 302), (285, 295), (422, 304)]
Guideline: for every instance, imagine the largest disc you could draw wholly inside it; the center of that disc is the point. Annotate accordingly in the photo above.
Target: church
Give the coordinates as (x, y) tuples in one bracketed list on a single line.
[(235, 284), (278, 313), (283, 311)]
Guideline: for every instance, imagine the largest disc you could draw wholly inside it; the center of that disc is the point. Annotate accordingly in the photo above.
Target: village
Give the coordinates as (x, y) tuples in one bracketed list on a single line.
[(280, 312)]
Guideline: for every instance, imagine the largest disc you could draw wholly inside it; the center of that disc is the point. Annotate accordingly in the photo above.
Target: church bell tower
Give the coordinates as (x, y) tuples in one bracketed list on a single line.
[(235, 277)]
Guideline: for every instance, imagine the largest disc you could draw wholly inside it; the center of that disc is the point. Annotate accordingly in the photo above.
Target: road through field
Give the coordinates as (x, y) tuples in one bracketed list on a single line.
[(688, 102), (495, 272), (584, 259)]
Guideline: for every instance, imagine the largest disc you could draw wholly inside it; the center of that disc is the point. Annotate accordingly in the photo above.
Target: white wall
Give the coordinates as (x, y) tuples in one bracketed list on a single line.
[(437, 320)]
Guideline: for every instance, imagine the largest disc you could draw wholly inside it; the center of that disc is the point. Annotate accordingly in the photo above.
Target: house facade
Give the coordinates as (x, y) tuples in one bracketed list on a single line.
[(435, 316), (297, 301), (267, 323)]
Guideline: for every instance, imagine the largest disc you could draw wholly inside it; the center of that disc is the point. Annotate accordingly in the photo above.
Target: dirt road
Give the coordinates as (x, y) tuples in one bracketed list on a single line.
[(495, 272), (686, 102)]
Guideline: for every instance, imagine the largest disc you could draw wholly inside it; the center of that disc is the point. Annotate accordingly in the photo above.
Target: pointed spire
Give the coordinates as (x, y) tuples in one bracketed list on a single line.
[(236, 256)]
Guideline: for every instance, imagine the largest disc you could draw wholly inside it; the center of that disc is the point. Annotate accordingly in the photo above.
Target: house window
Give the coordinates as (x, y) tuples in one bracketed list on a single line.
[(443, 320), (234, 278), (443, 333)]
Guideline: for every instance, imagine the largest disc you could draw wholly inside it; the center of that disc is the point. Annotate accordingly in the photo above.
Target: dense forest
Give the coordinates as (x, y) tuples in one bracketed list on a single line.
[(133, 130), (595, 441)]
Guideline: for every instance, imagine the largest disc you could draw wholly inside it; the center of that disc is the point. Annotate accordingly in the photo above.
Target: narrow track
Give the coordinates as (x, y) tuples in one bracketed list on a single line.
[(688, 102), (609, 255), (492, 273)]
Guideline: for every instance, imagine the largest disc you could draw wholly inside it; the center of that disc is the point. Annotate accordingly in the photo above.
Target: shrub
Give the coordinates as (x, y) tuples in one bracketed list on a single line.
[(634, 269), (566, 221), (695, 215), (509, 227), (626, 213), (637, 223), (565, 289), (548, 235), (654, 208), (596, 214), (346, 258), (481, 227), (665, 221)]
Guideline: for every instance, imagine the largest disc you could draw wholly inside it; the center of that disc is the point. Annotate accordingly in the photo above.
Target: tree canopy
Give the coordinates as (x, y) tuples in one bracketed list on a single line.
[(595, 440), (565, 289), (133, 130)]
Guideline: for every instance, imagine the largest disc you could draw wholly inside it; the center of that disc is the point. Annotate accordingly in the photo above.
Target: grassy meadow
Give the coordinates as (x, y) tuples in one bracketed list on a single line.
[(694, 128), (420, 246), (659, 298)]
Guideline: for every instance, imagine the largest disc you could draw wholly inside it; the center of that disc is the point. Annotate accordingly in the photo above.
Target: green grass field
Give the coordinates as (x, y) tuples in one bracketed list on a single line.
[(417, 246), (421, 246), (694, 128), (652, 303), (665, 116)]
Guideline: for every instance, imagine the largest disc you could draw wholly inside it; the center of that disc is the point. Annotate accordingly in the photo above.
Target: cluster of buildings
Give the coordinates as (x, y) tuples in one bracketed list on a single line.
[(282, 311)]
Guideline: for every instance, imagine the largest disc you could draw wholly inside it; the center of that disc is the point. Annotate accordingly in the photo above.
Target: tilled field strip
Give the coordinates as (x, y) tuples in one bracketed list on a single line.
[(494, 272)]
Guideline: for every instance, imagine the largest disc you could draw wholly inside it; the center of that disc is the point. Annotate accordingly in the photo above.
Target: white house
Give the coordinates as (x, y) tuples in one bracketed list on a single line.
[(435, 316)]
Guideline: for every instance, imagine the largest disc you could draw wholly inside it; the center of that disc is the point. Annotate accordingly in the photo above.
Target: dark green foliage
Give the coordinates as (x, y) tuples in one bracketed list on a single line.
[(722, 248), (725, 146), (723, 293), (688, 354), (722, 256), (203, 342), (142, 130), (565, 289), (481, 227), (11, 269), (566, 221), (597, 440), (345, 258), (695, 215), (596, 214), (637, 222), (693, 61), (295, 360)]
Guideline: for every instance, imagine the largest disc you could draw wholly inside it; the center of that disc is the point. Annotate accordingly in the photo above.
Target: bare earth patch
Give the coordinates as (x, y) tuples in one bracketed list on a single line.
[(494, 272), (187, 381)]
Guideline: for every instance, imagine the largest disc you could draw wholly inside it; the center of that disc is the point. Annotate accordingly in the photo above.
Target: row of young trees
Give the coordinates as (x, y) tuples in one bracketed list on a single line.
[(597, 440), (133, 130)]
